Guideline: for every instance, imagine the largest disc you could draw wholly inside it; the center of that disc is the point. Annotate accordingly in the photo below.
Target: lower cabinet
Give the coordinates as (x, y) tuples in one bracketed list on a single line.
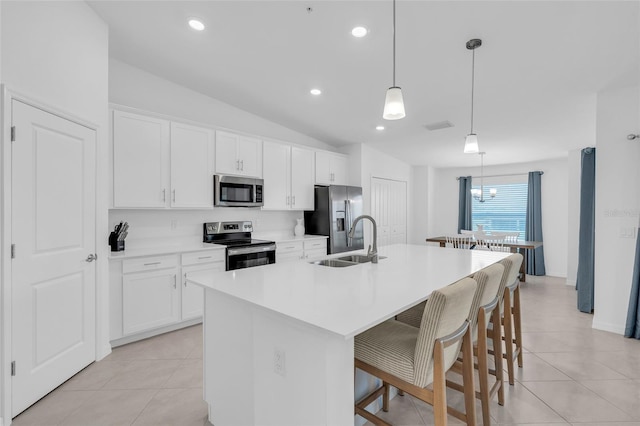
[(150, 295), (193, 295), (150, 300), (297, 250)]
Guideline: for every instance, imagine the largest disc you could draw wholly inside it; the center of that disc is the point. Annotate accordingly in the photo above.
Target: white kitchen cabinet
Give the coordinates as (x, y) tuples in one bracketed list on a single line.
[(315, 249), (289, 250), (140, 158), (160, 164), (307, 249), (150, 300), (331, 168), (288, 177), (302, 179), (238, 155), (193, 296), (192, 151)]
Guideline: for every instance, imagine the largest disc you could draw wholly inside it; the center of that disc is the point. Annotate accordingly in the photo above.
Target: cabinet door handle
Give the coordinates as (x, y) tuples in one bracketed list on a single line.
[(175, 281), (152, 263), (174, 195), (242, 165), (293, 200), (237, 164), (164, 194), (288, 200), (185, 279), (203, 257)]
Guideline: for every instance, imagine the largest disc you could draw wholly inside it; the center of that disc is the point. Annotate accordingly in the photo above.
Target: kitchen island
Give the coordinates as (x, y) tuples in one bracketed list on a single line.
[(278, 339)]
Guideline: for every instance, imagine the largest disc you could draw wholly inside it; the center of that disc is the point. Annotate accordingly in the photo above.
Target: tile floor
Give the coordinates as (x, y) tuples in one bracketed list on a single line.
[(572, 375)]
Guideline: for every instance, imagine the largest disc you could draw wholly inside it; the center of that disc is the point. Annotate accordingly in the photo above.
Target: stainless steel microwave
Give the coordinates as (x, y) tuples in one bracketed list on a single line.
[(236, 191)]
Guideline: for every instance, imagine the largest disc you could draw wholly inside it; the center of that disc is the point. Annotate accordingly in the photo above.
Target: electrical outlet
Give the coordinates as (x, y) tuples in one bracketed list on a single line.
[(627, 232), (174, 224), (279, 362)]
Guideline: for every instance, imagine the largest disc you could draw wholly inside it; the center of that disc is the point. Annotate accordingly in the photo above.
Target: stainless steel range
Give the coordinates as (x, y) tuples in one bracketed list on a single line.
[(242, 250)]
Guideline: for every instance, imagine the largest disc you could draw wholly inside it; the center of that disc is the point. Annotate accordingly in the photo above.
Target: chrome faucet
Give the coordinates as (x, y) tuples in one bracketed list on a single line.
[(372, 253)]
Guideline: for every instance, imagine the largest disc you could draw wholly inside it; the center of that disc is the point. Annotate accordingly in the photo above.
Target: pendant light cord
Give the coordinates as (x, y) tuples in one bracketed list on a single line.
[(394, 43), (473, 75)]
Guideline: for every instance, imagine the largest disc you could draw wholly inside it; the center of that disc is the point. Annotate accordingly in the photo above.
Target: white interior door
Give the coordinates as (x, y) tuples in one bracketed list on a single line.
[(389, 209), (53, 229)]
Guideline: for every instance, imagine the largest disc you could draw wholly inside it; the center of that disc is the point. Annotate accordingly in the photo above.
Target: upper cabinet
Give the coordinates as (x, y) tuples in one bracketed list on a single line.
[(191, 166), (331, 168), (238, 155), (159, 164), (288, 173), (140, 158)]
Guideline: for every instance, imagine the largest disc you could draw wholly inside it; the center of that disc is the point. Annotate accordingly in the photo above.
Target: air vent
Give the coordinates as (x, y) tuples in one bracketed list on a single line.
[(439, 125)]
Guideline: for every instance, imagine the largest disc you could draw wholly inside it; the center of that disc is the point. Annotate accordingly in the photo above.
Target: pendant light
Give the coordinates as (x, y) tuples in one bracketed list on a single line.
[(478, 194), (393, 102), (471, 142)]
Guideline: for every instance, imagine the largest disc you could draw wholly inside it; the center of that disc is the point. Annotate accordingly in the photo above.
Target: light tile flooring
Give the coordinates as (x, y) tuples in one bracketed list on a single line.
[(572, 375)]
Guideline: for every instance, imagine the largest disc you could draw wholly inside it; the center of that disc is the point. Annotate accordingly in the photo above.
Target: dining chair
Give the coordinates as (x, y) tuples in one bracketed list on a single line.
[(460, 241), (509, 327), (485, 305), (509, 237), (492, 243), (411, 358)]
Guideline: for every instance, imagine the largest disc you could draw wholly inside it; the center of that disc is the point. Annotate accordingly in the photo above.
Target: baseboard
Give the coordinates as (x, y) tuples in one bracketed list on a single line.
[(572, 283), (144, 335), (612, 328)]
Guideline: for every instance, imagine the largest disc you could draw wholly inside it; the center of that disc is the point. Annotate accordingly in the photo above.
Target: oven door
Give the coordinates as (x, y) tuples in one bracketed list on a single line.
[(234, 191), (246, 257)]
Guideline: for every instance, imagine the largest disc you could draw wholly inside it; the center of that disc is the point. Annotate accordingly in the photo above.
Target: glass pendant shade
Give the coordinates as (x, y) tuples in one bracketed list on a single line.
[(393, 104), (471, 144)]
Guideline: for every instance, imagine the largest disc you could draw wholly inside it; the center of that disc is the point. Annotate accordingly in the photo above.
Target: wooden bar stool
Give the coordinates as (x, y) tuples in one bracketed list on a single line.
[(411, 358), (510, 322), (485, 306)]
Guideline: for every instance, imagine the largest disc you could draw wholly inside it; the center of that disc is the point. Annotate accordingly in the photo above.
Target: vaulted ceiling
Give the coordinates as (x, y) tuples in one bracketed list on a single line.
[(537, 73)]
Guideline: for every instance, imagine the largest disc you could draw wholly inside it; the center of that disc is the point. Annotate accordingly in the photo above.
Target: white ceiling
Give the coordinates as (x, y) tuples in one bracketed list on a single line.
[(537, 72)]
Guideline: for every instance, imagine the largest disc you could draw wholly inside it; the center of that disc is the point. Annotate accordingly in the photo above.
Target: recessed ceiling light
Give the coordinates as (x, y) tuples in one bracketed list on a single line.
[(379, 127), (359, 32), (196, 25), (315, 92)]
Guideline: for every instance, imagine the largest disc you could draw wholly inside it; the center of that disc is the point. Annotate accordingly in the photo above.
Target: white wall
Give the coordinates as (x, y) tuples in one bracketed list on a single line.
[(554, 204), (133, 87), (617, 204), (420, 197), (573, 214), (373, 163), (57, 54)]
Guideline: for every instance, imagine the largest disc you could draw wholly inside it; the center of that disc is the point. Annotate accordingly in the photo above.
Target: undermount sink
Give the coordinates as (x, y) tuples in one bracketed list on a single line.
[(359, 258), (334, 263), (341, 262)]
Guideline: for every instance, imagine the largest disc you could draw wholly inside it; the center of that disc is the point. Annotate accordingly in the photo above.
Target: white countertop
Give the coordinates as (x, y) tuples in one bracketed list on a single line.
[(157, 250), (160, 250), (349, 300)]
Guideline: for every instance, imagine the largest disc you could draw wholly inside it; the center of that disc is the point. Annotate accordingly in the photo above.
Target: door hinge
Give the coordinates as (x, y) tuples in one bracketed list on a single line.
[(13, 368), (13, 133), (13, 251)]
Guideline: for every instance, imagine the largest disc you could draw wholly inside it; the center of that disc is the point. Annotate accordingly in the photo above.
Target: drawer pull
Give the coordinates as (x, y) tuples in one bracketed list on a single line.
[(152, 263), (204, 257)]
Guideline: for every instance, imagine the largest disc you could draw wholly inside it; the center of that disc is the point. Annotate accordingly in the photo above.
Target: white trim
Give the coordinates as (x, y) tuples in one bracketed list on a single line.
[(605, 326), (102, 347), (155, 332), (572, 283)]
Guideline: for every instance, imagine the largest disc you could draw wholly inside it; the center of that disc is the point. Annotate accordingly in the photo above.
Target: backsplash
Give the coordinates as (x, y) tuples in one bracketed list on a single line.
[(149, 228)]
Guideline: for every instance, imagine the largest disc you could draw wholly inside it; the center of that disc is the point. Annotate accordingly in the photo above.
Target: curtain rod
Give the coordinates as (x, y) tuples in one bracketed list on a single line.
[(504, 175)]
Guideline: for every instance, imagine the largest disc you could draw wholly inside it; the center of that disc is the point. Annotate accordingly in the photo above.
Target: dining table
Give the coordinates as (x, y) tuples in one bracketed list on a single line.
[(519, 246)]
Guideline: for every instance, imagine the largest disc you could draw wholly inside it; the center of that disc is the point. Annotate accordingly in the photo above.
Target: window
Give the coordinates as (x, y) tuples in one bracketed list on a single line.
[(507, 212)]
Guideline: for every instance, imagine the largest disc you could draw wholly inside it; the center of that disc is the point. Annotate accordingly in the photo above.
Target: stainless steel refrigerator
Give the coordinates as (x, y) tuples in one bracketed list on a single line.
[(336, 206)]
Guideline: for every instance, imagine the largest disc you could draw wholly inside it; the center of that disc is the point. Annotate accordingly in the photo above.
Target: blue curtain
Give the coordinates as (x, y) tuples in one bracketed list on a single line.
[(464, 203), (533, 231), (584, 280), (632, 328)]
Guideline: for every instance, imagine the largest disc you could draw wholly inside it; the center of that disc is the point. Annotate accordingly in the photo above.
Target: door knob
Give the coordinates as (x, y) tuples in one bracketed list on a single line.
[(91, 257)]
